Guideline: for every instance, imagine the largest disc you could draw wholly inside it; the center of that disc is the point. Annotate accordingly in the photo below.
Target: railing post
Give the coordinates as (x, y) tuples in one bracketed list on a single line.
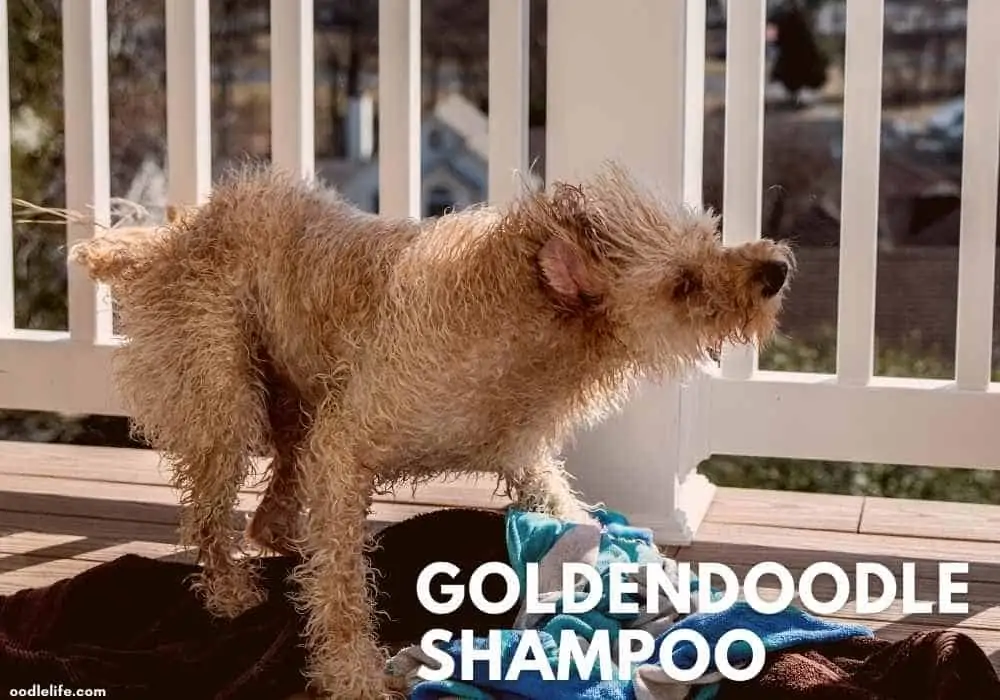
[(648, 115), (399, 177), (293, 128), (508, 115), (189, 102), (85, 87), (7, 324)]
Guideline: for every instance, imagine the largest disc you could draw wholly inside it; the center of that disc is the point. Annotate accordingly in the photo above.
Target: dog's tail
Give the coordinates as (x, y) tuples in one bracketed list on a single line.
[(116, 254)]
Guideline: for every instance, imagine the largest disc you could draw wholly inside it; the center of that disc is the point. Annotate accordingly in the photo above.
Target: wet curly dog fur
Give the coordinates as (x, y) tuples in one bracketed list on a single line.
[(361, 351)]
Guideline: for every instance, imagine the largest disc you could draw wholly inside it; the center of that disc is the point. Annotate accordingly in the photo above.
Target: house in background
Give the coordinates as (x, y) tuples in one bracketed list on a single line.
[(454, 153)]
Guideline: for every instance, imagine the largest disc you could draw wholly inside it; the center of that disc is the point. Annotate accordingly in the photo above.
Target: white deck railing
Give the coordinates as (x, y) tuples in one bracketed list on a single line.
[(621, 84)]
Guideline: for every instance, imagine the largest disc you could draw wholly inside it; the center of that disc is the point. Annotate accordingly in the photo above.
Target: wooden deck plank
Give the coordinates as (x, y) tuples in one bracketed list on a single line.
[(23, 542), (138, 502), (131, 466), (18, 546), (112, 500), (461, 491), (49, 525), (43, 573), (41, 568), (102, 529), (756, 542), (983, 614), (742, 546), (113, 470), (940, 520), (800, 511)]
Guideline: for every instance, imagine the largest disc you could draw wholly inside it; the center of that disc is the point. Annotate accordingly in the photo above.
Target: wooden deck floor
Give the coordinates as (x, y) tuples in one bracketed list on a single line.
[(65, 509)]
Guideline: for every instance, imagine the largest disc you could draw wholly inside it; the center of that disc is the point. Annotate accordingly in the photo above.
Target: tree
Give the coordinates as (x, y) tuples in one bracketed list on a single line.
[(800, 63)]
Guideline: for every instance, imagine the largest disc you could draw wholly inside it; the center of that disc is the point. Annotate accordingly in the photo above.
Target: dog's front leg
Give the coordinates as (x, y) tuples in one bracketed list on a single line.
[(345, 661), (544, 486)]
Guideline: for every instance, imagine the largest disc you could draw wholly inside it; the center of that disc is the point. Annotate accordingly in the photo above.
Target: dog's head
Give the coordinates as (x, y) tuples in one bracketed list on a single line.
[(655, 276)]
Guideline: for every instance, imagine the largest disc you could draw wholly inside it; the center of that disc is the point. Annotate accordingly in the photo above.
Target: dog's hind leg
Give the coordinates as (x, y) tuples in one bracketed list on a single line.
[(190, 383), (225, 431), (345, 661), (210, 478), (210, 489), (277, 525)]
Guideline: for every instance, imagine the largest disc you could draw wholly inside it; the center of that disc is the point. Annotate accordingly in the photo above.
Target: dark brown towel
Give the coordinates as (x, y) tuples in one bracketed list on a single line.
[(132, 627), (931, 665)]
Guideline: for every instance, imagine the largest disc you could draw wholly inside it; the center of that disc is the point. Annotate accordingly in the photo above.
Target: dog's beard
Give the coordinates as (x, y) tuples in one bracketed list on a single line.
[(746, 335)]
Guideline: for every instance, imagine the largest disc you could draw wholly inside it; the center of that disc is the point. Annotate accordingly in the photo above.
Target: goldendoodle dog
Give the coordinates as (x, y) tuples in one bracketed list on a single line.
[(361, 351)]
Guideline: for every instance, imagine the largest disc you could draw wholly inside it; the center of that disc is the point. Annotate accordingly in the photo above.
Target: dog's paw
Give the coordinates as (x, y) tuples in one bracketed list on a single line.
[(396, 687), (231, 592), (232, 606)]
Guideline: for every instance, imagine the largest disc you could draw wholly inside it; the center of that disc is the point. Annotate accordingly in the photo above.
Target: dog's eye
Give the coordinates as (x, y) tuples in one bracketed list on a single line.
[(688, 282)]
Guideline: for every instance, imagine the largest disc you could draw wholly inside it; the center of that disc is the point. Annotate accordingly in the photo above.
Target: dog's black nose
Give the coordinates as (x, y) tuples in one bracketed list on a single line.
[(772, 275)]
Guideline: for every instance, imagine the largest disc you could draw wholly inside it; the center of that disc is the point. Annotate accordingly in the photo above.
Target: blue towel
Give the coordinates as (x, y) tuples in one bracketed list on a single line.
[(783, 630), (530, 536)]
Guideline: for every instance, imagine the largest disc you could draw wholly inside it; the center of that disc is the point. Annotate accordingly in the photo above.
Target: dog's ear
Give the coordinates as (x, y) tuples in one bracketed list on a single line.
[(568, 274)]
